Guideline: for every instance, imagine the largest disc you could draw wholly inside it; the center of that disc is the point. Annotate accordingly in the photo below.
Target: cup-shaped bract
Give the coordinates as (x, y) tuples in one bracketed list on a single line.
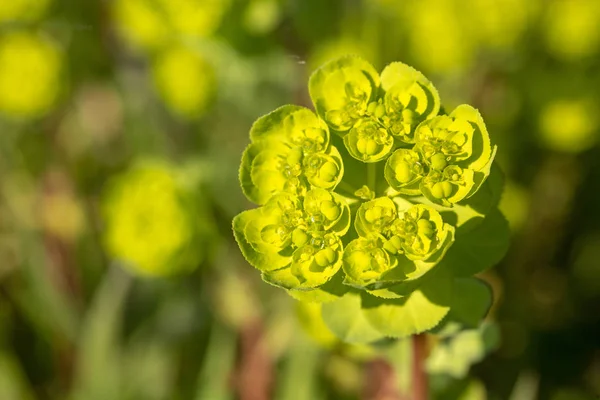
[(404, 170), (448, 186), (290, 152), (409, 99), (342, 89), (366, 261), (375, 216), (368, 141)]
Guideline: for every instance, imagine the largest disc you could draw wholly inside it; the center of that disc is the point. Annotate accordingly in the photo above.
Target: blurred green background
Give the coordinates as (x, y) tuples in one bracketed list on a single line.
[(122, 124)]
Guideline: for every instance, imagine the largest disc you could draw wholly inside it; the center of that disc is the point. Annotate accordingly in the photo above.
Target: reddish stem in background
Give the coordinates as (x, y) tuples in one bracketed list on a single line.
[(380, 381), (255, 374), (419, 375)]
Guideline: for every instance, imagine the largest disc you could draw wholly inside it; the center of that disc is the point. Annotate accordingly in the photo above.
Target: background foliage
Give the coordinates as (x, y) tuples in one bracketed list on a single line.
[(92, 92)]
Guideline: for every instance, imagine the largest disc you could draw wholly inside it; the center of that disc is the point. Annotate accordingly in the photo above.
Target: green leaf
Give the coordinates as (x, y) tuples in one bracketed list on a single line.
[(149, 363), (480, 248), (472, 302), (100, 361), (345, 318), (13, 381), (455, 355), (422, 310), (330, 291), (310, 317), (219, 361), (301, 364), (342, 89), (259, 260)]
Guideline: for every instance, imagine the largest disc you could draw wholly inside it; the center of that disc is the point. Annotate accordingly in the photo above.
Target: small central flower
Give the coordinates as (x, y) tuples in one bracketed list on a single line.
[(368, 141), (310, 140), (355, 107)]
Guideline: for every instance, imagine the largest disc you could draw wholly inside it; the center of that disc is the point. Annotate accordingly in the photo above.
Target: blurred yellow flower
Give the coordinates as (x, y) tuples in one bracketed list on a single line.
[(151, 24), (447, 35), (262, 16), (185, 81), (438, 41), (30, 74), (498, 23), (22, 10), (569, 125), (150, 221), (572, 28)]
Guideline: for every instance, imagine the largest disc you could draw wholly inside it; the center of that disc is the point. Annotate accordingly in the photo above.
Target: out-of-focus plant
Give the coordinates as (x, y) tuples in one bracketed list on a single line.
[(168, 33), (154, 24), (417, 184), (569, 125), (30, 74), (22, 10), (572, 28), (446, 36), (155, 222), (184, 80)]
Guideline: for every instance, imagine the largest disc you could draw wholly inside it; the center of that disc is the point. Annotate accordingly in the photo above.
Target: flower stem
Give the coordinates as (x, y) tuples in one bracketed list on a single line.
[(372, 177)]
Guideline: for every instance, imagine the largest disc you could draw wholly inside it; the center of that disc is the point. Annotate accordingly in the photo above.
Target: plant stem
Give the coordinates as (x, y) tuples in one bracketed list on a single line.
[(346, 189), (372, 177), (419, 375)]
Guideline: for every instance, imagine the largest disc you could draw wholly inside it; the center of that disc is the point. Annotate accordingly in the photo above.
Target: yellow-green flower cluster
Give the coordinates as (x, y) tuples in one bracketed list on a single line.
[(155, 24), (295, 240), (22, 10), (290, 152), (30, 74), (168, 32), (400, 164), (395, 116), (291, 169), (373, 114), (152, 222), (394, 246)]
